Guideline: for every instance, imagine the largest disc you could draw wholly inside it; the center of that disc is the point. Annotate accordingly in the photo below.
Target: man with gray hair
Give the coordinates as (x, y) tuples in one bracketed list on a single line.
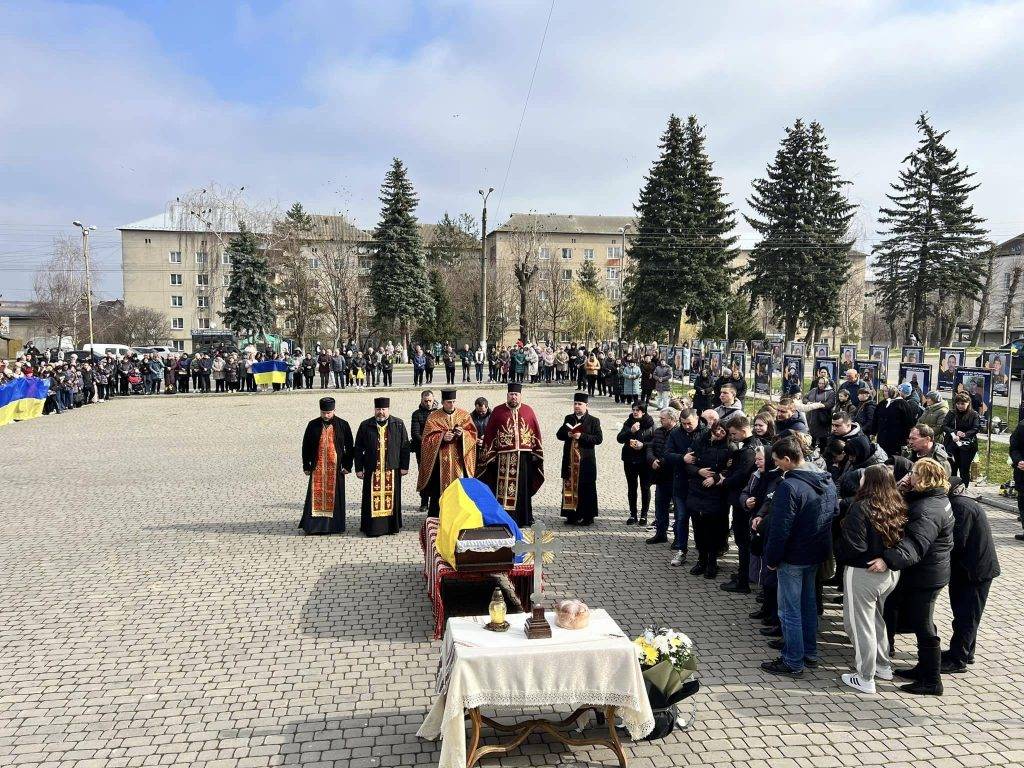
[(661, 474)]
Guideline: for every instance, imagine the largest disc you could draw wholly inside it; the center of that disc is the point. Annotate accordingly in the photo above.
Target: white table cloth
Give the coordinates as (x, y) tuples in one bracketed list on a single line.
[(592, 666)]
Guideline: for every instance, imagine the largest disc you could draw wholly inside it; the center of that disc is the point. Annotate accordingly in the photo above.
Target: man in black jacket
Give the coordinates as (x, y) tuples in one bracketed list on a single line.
[(661, 474), (416, 422), (893, 420), (742, 463), (1017, 459), (973, 565), (636, 432), (680, 442)]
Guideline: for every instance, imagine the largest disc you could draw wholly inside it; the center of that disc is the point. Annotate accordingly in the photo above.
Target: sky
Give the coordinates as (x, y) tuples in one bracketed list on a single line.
[(109, 110)]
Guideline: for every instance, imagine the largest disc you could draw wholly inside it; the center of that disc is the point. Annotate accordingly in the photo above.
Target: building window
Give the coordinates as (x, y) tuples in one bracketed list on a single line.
[(179, 345), (544, 274), (613, 292), (225, 280), (615, 252), (177, 323), (567, 274), (588, 254), (202, 302), (175, 278), (542, 295), (314, 262), (225, 259), (201, 258), (567, 253), (149, 241), (612, 273), (544, 254), (572, 239), (202, 279), (177, 301), (174, 257), (289, 324), (203, 323)]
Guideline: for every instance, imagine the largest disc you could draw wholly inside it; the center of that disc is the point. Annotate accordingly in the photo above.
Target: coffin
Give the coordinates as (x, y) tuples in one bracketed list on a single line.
[(488, 548)]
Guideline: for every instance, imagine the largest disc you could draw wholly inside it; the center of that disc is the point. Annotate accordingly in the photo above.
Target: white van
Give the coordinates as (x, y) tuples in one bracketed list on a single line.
[(118, 350)]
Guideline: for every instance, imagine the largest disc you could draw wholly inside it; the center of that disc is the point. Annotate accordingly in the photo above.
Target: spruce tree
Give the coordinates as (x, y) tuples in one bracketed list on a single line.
[(249, 304), (441, 325), (399, 288), (682, 247), (932, 242), (829, 269), (586, 277)]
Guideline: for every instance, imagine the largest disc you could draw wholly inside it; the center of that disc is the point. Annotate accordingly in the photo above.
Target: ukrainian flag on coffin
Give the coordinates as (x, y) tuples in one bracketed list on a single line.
[(468, 503), (22, 399), (269, 371)]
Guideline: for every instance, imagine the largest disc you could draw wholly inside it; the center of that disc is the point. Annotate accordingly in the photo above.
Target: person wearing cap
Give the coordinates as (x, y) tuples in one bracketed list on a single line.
[(381, 460), (513, 456), (580, 433), (447, 450), (327, 452)]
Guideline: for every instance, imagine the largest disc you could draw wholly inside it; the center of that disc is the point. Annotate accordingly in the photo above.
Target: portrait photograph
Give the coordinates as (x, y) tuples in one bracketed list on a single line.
[(950, 359)]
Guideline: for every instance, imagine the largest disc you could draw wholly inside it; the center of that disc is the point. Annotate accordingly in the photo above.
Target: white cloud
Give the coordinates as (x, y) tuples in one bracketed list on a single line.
[(96, 121)]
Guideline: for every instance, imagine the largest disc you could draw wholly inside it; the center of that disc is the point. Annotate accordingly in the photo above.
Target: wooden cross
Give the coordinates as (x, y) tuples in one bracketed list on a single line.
[(541, 551)]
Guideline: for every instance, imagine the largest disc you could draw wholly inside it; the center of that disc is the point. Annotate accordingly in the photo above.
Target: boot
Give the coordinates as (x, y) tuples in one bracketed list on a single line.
[(700, 567), (929, 664), (712, 569)]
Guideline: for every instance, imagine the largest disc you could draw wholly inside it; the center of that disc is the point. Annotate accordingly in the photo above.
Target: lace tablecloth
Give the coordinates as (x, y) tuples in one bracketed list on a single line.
[(596, 666)]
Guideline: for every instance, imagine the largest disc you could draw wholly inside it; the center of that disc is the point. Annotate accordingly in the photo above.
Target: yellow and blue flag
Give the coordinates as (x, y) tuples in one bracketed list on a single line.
[(269, 371), (468, 503), (22, 399)]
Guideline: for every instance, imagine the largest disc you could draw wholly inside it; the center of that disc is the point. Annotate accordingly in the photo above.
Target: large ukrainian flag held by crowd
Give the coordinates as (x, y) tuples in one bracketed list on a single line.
[(22, 399), (468, 503), (269, 371)]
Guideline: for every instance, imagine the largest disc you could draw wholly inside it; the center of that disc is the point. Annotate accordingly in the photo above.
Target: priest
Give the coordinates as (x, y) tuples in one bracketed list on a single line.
[(326, 459), (580, 433), (381, 460), (447, 450), (513, 457)]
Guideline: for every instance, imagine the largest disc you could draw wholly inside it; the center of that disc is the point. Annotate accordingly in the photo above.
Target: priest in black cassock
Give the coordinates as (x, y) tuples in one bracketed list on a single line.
[(580, 433), (326, 459), (382, 460)]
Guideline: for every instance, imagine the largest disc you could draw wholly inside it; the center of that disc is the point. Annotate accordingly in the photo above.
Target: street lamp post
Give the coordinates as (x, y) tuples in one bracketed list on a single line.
[(483, 270), (88, 276), (622, 281)]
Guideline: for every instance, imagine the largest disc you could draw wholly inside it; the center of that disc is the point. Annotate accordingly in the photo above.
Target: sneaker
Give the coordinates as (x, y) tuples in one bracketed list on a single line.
[(679, 559), (780, 667), (631, 521), (883, 673), (855, 682)]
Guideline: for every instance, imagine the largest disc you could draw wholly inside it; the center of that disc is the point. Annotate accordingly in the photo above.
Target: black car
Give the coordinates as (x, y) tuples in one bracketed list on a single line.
[(1016, 350)]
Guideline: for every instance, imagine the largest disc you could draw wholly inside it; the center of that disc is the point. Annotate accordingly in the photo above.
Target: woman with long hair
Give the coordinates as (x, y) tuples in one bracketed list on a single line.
[(961, 426), (923, 558), (874, 522)]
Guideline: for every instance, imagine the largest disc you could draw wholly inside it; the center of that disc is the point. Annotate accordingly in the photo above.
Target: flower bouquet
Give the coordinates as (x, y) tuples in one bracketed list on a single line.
[(668, 660)]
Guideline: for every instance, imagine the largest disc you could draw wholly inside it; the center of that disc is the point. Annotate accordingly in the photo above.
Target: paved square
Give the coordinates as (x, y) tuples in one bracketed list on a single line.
[(159, 607)]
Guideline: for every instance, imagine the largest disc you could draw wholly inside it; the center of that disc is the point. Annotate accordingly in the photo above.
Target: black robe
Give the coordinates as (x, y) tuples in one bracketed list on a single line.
[(396, 459), (310, 456), (586, 486)]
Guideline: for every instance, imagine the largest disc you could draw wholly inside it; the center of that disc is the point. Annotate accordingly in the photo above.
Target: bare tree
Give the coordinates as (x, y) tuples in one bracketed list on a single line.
[(525, 245), (121, 323), (59, 286), (295, 267), (984, 300), (1011, 301), (339, 290), (555, 295)]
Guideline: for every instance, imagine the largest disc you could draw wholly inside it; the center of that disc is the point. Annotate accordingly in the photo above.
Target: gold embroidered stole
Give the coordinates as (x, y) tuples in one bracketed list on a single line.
[(382, 485)]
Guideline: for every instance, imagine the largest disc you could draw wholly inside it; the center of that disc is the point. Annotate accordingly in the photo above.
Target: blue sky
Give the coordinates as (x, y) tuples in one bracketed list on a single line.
[(109, 110)]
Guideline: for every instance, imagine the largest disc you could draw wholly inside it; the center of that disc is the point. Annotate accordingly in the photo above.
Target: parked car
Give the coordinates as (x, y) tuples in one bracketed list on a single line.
[(1016, 350), (119, 350), (84, 355)]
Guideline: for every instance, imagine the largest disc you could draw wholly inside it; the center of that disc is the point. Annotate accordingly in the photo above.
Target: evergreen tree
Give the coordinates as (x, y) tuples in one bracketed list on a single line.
[(298, 286), (441, 325), (399, 288), (249, 304), (829, 269), (932, 246), (452, 238), (586, 277), (681, 251)]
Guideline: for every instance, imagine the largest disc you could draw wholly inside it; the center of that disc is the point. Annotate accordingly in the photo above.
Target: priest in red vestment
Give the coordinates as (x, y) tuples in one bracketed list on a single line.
[(326, 459), (447, 450), (513, 457)]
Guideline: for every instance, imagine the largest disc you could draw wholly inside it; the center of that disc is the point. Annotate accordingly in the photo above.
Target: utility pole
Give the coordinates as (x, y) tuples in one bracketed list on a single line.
[(622, 281), (483, 270), (88, 276)]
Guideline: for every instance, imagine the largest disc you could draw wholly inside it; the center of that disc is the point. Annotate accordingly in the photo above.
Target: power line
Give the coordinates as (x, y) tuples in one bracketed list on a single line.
[(522, 117)]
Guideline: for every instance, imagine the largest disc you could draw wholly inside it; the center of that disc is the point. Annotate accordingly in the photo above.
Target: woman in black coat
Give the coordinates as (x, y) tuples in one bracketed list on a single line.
[(635, 434), (923, 558), (865, 412), (1017, 460), (705, 498), (960, 428), (704, 388)]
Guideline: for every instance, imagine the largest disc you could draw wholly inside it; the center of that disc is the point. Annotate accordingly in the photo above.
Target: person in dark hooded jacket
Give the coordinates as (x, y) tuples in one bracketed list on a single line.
[(1017, 460), (922, 556), (705, 500), (893, 421), (680, 442), (973, 565), (636, 432), (859, 458), (865, 413), (799, 541)]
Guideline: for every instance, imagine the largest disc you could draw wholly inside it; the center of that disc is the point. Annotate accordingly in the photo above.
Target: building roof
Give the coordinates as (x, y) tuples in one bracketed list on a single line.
[(556, 223), (178, 218), (1012, 247), (22, 310)]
